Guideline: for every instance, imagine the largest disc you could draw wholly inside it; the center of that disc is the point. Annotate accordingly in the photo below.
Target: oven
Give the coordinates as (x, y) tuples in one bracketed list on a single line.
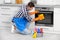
[(48, 16)]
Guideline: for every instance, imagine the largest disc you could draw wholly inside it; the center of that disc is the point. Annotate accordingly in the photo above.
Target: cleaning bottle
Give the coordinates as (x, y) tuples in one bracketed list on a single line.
[(41, 29), (38, 31), (34, 35)]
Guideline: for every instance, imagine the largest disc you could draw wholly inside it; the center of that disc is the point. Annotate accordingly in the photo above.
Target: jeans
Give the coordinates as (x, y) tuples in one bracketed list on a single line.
[(25, 31)]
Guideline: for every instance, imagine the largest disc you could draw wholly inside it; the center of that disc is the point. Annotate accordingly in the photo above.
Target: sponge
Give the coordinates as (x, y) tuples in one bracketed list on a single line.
[(40, 17)]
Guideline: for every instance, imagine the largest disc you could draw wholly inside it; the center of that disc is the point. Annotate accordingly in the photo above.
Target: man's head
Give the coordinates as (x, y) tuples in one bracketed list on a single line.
[(30, 6)]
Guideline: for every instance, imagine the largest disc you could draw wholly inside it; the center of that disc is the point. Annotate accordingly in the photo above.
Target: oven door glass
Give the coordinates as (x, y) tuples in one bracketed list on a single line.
[(48, 17)]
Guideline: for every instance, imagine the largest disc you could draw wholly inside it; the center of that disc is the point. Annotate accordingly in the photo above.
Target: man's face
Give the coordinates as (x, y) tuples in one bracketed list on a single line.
[(29, 8)]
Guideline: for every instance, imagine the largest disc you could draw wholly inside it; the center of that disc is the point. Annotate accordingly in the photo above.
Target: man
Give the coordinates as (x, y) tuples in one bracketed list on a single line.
[(24, 12)]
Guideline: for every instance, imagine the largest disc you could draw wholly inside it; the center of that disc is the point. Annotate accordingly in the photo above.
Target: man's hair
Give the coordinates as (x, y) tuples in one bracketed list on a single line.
[(31, 4)]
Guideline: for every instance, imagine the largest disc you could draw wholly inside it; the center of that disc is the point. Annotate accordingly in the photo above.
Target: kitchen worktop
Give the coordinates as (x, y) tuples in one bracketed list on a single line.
[(18, 5)]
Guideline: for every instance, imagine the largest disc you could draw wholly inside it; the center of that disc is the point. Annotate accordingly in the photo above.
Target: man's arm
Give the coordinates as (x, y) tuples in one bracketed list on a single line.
[(28, 17), (25, 13)]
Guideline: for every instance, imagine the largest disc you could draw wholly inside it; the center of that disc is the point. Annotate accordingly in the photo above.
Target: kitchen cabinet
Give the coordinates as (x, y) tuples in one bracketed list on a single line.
[(48, 2), (7, 1), (40, 2), (1, 1), (57, 19), (56, 2), (26, 1), (6, 14), (45, 2)]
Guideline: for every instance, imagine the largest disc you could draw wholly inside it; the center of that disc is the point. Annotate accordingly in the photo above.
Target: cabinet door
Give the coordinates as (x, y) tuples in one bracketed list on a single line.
[(7, 1), (45, 2), (6, 14), (56, 2), (56, 19), (5, 19), (26, 1), (1, 1)]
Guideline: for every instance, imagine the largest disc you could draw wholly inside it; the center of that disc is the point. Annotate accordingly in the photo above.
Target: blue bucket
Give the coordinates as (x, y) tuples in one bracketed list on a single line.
[(20, 23)]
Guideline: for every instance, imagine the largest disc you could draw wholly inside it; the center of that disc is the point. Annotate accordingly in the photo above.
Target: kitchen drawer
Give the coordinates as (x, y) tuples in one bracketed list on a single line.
[(5, 18), (56, 10), (5, 23), (7, 13), (7, 8)]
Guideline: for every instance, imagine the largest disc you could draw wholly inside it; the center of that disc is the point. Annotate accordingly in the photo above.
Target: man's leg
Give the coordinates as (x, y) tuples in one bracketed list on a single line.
[(26, 30), (27, 26)]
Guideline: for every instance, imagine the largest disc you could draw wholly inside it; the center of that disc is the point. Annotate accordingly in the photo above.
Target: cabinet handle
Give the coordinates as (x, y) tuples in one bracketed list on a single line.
[(5, 14), (5, 8), (6, 22)]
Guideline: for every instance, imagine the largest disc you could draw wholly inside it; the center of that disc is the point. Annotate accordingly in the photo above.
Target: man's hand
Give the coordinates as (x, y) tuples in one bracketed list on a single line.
[(33, 20)]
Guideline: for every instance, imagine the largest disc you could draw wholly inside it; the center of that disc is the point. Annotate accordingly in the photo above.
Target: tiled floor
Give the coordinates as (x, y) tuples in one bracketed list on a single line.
[(5, 34)]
